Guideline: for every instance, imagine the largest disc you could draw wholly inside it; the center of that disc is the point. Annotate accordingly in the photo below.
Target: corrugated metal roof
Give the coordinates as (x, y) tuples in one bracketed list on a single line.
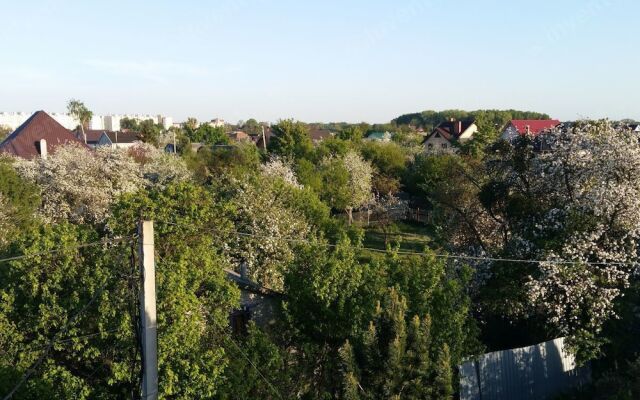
[(534, 372), (25, 141)]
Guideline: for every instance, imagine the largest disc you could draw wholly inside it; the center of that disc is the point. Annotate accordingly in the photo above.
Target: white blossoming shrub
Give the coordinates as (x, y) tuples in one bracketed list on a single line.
[(268, 227), (279, 168), (591, 184), (80, 185)]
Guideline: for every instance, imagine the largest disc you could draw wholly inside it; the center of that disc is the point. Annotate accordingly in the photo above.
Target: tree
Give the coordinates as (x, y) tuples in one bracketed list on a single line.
[(130, 124), (81, 113), (150, 132), (210, 135), (19, 201), (444, 378), (577, 208), (252, 127), (347, 182), (290, 139), (271, 212), (106, 174), (191, 124), (389, 161), (4, 132)]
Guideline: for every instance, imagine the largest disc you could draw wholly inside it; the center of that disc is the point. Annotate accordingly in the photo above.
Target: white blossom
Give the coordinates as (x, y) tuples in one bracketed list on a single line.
[(80, 185)]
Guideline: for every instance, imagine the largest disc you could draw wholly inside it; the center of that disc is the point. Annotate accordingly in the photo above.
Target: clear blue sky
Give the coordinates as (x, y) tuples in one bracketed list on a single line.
[(322, 60)]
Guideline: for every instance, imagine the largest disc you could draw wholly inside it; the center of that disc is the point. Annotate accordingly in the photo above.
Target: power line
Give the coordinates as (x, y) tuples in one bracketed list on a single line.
[(273, 388), (80, 246), (415, 253), (446, 256), (52, 341)]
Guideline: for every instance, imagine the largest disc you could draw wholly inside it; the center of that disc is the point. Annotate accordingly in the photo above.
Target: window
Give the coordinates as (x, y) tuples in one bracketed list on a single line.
[(444, 145), (430, 145)]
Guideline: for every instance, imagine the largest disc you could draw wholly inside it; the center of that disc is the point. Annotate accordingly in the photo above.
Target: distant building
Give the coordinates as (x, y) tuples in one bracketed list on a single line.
[(108, 122), (380, 136), (520, 127), (239, 136), (318, 135), (14, 119), (118, 140), (442, 137), (92, 135), (38, 136), (217, 123), (257, 303)]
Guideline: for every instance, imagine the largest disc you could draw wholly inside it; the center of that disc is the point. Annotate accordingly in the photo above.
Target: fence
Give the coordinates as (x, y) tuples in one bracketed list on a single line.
[(535, 372)]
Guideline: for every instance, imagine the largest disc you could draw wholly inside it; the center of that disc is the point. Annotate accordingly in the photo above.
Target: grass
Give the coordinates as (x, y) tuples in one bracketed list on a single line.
[(412, 236)]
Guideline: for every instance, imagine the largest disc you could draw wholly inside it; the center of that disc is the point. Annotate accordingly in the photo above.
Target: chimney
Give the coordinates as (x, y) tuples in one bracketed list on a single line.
[(457, 127), (528, 129), (43, 149)]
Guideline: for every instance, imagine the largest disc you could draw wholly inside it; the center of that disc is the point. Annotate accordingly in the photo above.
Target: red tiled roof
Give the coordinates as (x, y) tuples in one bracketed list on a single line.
[(25, 141), (535, 125)]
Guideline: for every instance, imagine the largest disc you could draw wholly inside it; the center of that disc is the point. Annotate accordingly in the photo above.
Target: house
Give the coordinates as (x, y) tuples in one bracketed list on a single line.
[(379, 136), (519, 127), (92, 135), (38, 136), (442, 137), (318, 135), (217, 123), (239, 136), (257, 303), (635, 127), (118, 140)]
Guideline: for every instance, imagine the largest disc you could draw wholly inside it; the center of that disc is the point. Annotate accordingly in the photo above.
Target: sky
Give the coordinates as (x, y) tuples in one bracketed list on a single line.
[(359, 60)]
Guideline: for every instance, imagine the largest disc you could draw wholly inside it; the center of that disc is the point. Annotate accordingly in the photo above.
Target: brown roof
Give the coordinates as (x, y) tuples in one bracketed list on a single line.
[(450, 129), (320, 134), (93, 135), (25, 141), (123, 137)]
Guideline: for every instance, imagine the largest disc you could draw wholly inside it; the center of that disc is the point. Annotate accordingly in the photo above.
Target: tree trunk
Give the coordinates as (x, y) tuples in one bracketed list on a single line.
[(350, 214)]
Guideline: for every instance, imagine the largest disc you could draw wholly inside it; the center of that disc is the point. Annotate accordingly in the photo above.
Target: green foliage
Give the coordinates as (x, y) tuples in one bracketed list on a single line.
[(487, 119), (389, 160), (20, 200), (79, 111), (394, 357), (4, 132), (258, 368), (209, 135), (209, 163), (193, 303), (64, 296), (130, 124), (150, 132), (291, 139)]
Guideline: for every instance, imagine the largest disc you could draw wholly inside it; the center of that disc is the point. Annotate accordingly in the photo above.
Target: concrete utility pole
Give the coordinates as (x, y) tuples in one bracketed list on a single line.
[(264, 140), (148, 320)]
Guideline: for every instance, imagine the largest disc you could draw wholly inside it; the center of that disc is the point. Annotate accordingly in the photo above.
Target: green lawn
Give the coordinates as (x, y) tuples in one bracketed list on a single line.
[(412, 236)]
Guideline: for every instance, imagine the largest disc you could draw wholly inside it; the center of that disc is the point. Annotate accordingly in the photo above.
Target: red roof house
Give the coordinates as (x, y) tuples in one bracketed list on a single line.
[(39, 130), (533, 127)]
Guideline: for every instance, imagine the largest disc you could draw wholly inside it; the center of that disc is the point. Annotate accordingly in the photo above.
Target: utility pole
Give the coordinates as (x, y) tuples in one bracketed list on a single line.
[(148, 320), (174, 143), (264, 140)]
